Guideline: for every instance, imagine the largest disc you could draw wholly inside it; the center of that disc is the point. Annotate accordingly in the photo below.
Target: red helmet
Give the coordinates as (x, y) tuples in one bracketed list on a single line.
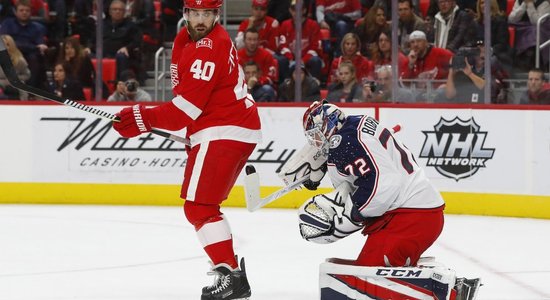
[(203, 4)]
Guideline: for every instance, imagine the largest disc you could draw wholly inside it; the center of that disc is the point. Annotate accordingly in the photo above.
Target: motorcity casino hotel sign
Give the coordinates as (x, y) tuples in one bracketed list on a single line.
[(93, 145), (456, 148)]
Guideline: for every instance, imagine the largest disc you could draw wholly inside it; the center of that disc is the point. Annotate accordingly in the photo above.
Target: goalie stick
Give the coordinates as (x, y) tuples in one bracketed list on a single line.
[(252, 185), (252, 190), (11, 75)]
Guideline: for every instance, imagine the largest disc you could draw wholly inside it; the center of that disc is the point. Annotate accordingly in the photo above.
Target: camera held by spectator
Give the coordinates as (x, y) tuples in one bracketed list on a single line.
[(127, 89), (459, 59)]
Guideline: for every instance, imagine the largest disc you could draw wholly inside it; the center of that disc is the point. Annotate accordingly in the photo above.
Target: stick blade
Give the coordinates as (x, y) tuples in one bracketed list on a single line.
[(252, 188)]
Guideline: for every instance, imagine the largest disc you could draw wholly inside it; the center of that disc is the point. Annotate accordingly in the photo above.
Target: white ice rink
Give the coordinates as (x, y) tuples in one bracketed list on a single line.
[(137, 253)]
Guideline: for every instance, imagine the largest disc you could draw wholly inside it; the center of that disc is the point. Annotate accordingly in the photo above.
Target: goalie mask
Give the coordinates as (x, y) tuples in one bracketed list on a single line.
[(321, 121)]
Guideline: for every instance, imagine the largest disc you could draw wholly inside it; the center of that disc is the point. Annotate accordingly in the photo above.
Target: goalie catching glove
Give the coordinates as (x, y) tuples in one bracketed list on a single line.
[(326, 218), (134, 121), (308, 161)]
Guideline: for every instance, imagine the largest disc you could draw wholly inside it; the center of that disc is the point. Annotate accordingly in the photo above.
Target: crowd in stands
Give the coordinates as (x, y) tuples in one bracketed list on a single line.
[(345, 48)]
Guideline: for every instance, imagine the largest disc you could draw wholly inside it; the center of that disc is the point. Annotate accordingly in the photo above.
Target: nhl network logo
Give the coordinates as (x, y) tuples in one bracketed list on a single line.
[(456, 148)]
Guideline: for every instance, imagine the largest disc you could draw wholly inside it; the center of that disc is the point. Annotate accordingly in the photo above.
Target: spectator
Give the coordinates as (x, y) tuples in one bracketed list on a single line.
[(407, 23), (370, 27), (500, 38), (79, 64), (537, 91), (453, 27), (338, 16), (263, 59), (260, 91), (266, 26), (127, 89), (381, 91), (21, 69), (64, 85), (426, 62), (310, 87), (468, 77), (350, 52), (381, 54), (524, 17), (29, 36), (122, 39), (311, 43), (346, 89)]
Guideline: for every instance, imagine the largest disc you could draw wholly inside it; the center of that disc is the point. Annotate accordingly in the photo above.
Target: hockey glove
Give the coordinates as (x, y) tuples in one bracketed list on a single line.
[(326, 218), (315, 177), (134, 121)]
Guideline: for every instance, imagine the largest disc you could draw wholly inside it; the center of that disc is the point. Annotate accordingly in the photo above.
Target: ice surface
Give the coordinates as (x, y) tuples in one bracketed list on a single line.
[(125, 252)]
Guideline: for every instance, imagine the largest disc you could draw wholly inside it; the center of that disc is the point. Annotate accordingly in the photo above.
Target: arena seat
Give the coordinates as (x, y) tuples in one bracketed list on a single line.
[(87, 94), (109, 72)]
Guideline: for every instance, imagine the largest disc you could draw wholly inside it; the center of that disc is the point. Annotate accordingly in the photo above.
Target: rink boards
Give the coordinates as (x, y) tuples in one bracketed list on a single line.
[(485, 160)]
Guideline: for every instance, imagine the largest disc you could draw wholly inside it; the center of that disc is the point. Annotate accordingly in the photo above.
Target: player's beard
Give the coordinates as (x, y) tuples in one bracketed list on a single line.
[(197, 35)]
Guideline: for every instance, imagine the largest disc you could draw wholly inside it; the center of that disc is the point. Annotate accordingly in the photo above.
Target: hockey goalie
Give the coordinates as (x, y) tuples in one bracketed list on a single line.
[(381, 191)]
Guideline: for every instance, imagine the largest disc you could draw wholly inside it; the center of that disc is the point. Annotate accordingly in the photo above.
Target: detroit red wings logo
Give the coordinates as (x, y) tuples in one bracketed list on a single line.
[(204, 42)]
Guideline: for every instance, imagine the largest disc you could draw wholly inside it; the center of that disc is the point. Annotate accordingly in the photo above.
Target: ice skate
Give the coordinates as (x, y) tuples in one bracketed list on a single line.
[(228, 284)]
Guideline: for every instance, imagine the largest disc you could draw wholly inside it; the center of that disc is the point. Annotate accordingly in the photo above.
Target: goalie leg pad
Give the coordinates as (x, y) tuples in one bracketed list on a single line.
[(345, 282)]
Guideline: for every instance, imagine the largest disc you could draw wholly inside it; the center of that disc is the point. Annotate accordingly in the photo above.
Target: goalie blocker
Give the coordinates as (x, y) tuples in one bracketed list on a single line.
[(339, 280)]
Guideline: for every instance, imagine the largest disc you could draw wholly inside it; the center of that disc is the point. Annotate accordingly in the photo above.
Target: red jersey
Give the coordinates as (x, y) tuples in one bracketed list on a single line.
[(265, 61), (363, 68), (340, 6), (211, 97), (434, 58), (311, 42), (267, 33)]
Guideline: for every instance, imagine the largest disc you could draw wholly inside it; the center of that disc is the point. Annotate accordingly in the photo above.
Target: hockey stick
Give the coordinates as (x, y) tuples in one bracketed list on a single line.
[(252, 185), (252, 189), (11, 75)]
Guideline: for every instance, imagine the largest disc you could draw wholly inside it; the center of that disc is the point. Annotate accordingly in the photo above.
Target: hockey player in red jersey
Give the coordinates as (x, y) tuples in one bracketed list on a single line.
[(223, 126)]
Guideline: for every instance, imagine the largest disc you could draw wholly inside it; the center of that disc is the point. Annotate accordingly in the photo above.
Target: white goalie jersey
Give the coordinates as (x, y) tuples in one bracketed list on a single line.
[(382, 172)]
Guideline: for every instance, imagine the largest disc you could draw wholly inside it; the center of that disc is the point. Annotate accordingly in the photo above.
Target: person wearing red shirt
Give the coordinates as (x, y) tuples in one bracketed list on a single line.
[(311, 42), (427, 61), (381, 54), (350, 52), (266, 26), (211, 101), (265, 61)]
